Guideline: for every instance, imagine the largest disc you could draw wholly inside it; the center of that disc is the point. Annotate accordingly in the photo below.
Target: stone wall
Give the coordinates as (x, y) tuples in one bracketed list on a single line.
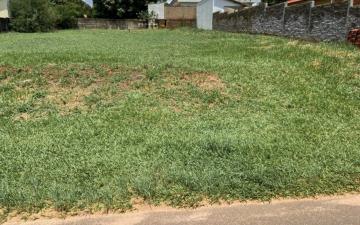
[(330, 22), (274, 19), (258, 18), (354, 18), (297, 20)]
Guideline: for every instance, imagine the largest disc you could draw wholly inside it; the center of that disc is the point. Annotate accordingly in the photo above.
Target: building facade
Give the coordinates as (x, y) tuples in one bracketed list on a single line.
[(4, 9)]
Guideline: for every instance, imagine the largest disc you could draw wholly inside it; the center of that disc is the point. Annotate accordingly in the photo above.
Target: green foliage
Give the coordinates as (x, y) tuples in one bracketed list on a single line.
[(174, 116), (32, 15), (145, 15), (45, 15), (68, 11), (119, 8)]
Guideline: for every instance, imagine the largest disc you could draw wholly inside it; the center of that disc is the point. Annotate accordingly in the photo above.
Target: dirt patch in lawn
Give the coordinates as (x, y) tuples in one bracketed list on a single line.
[(69, 88), (133, 79), (73, 88), (204, 81), (68, 99)]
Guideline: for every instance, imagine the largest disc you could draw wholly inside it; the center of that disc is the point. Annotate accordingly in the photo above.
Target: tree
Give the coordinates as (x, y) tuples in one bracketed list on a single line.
[(67, 12), (32, 15), (119, 8), (45, 15)]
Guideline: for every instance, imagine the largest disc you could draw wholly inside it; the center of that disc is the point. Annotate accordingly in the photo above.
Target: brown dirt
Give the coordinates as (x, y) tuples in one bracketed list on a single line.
[(67, 88), (68, 99), (4, 69), (134, 77), (316, 64), (70, 96), (205, 81), (22, 116)]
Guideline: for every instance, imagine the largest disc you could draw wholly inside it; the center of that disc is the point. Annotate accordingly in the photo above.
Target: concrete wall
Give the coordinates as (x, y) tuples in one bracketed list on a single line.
[(97, 23), (177, 13), (158, 9), (4, 12), (330, 22), (124, 24), (204, 14), (180, 23)]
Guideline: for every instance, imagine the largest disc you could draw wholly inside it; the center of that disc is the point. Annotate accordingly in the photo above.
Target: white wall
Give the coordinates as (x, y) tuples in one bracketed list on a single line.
[(158, 8), (4, 12), (219, 5), (204, 14), (206, 8)]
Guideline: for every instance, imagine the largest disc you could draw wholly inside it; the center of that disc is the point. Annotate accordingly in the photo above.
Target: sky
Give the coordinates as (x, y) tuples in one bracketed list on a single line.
[(88, 2)]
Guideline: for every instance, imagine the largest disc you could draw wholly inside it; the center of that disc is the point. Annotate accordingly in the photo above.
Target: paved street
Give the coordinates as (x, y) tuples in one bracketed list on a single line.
[(342, 210)]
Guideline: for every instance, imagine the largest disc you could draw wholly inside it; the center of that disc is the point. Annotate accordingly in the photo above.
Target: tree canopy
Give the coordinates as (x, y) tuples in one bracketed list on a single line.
[(32, 15), (119, 8), (45, 15)]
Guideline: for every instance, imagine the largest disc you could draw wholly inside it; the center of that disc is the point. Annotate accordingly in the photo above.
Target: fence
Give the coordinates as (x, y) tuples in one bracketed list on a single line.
[(4, 24), (95, 23), (305, 21), (180, 13), (176, 23), (121, 24)]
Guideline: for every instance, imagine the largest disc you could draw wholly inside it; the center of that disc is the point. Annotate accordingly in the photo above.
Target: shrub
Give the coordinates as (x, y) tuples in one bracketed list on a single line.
[(68, 11), (32, 15)]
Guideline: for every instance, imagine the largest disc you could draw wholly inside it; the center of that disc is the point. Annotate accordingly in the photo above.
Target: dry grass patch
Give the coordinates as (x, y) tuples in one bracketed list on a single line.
[(205, 81), (74, 88)]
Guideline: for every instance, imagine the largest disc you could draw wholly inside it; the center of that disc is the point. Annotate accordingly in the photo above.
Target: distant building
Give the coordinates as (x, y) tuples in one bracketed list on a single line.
[(4, 8), (206, 9), (158, 9), (183, 2), (174, 9)]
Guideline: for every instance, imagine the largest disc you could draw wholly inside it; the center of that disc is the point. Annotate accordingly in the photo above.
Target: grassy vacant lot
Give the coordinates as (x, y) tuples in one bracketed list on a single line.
[(94, 120)]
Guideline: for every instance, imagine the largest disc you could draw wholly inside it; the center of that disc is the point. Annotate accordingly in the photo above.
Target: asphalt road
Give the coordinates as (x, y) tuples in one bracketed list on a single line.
[(340, 210)]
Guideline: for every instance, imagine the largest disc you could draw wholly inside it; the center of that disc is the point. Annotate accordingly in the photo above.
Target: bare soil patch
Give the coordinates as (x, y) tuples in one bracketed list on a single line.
[(205, 81)]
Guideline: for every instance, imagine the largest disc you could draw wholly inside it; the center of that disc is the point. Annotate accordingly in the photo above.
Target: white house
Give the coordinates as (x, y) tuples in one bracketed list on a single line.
[(183, 2), (4, 8), (158, 9), (206, 8)]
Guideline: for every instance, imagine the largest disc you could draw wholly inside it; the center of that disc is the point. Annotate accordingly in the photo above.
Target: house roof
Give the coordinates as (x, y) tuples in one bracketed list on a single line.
[(239, 1), (190, 1), (197, 1), (295, 1)]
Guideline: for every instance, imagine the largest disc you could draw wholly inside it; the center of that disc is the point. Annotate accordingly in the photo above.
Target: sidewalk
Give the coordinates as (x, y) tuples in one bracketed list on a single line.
[(339, 210)]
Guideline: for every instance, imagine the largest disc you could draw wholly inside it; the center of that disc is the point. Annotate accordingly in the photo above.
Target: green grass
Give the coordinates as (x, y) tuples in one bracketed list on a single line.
[(95, 119)]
